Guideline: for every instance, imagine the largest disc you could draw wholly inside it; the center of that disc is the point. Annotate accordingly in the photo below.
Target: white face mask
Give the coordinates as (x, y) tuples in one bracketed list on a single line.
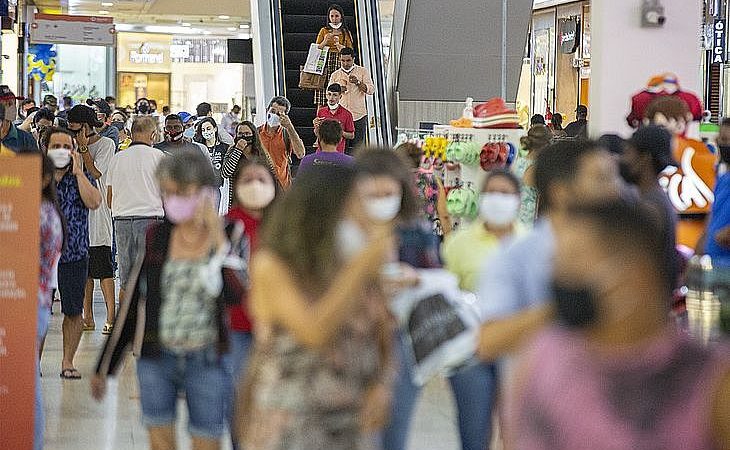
[(61, 157), (497, 209), (333, 107), (383, 209), (336, 26), (273, 120), (347, 71), (255, 195), (189, 133), (208, 135), (350, 239)]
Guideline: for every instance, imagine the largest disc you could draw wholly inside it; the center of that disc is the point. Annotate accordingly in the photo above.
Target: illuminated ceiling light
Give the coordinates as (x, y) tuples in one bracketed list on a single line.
[(103, 11), (231, 28), (107, 4), (244, 26), (243, 36), (224, 17), (124, 27), (170, 29), (185, 24), (206, 32)]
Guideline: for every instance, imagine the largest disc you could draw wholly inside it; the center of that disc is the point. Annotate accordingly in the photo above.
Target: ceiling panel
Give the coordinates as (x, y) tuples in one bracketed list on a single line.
[(200, 15)]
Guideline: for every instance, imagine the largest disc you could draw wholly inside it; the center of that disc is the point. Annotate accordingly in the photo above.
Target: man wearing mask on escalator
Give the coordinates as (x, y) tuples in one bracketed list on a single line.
[(357, 84), (281, 139)]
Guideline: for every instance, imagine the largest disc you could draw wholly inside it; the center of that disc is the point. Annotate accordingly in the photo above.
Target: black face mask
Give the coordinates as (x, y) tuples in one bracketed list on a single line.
[(724, 153), (627, 173), (249, 139), (575, 307), (143, 108)]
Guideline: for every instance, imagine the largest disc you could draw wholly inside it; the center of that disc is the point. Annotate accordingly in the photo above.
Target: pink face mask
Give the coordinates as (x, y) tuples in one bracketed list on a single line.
[(181, 208)]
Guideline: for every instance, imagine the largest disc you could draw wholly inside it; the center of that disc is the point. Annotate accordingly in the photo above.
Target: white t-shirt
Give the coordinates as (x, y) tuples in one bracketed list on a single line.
[(100, 219), (135, 191)]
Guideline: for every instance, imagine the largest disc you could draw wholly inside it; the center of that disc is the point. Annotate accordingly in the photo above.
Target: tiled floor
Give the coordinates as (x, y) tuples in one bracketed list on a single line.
[(74, 420)]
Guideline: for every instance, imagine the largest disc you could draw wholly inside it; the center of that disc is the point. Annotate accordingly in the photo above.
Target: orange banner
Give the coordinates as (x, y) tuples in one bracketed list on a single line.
[(20, 186)]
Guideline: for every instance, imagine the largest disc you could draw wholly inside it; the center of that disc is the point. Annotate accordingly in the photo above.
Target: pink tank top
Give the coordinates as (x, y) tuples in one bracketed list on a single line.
[(657, 397)]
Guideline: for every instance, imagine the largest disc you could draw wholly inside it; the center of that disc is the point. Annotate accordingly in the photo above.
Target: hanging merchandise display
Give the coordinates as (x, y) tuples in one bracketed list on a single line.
[(463, 201), (495, 114)]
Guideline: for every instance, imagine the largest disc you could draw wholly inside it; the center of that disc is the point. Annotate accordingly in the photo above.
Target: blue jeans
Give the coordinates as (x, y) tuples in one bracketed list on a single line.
[(474, 389), (44, 317), (236, 363), (201, 374)]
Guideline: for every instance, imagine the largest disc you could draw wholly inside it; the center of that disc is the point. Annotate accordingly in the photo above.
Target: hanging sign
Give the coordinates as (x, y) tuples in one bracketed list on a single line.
[(569, 35), (63, 29), (719, 41)]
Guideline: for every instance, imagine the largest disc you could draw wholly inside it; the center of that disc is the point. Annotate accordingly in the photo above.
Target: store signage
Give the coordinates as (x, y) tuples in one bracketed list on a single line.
[(179, 51), (62, 29), (145, 55), (719, 41), (690, 186), (20, 186), (569, 35)]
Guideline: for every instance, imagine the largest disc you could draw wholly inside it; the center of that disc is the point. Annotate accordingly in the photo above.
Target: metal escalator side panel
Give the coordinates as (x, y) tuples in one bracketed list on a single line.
[(267, 51), (367, 15), (397, 35)]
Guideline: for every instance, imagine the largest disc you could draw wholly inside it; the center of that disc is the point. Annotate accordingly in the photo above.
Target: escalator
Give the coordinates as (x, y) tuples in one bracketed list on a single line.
[(301, 20), (286, 28)]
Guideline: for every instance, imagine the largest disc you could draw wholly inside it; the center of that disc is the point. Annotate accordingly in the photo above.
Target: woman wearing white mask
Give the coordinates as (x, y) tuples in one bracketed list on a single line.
[(321, 368), (335, 36), (206, 133), (254, 190), (464, 254)]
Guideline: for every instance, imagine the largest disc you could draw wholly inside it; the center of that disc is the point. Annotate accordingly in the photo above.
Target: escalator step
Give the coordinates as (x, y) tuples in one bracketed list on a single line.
[(300, 97), (302, 116), (299, 42), (295, 59), (304, 23)]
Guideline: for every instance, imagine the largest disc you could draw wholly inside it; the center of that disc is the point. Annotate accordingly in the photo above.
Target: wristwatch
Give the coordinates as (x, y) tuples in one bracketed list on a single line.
[(83, 149)]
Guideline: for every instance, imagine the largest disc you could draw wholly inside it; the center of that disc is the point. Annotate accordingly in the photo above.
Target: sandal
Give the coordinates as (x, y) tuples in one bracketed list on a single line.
[(70, 374), (89, 326), (108, 327)]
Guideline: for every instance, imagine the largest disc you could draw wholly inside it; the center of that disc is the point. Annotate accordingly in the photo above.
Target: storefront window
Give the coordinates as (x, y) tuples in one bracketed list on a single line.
[(80, 73)]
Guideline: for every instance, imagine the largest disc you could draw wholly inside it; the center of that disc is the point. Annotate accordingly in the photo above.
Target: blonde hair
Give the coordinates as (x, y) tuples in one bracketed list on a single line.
[(538, 137)]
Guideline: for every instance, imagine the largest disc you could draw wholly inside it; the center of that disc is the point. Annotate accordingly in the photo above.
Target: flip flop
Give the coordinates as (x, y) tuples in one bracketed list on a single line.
[(70, 374), (108, 327), (89, 326)]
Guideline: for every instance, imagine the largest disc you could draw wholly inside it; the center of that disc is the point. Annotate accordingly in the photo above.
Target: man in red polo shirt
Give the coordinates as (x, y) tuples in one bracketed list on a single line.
[(335, 111)]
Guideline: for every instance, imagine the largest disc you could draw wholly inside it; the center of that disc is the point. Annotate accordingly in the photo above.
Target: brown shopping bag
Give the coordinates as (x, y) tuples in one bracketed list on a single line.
[(311, 81)]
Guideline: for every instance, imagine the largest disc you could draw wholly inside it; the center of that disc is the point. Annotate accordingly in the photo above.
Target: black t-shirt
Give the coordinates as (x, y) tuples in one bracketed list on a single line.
[(579, 128)]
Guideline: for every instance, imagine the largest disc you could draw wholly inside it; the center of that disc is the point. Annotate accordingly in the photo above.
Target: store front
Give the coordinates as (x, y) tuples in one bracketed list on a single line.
[(180, 72), (559, 59), (143, 68)]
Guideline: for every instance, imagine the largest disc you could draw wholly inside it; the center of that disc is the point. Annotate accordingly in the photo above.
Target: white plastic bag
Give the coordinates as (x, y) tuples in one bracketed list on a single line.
[(439, 323)]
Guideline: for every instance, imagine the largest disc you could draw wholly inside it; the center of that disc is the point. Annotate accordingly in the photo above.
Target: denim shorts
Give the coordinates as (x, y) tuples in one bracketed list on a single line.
[(130, 236), (201, 375)]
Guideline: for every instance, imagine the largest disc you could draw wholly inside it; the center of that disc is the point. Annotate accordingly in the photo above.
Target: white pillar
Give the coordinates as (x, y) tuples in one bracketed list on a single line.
[(262, 25), (624, 56)]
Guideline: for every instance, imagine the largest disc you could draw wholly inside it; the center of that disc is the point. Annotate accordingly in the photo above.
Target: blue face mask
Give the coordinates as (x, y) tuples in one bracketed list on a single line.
[(189, 133)]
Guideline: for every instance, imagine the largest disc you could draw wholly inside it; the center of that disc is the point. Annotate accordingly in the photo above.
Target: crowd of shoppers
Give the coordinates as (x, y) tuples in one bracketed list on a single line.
[(265, 297)]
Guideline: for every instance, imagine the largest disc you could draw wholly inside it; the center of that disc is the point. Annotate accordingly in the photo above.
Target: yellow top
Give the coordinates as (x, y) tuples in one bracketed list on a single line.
[(347, 41), (4, 151), (465, 252)]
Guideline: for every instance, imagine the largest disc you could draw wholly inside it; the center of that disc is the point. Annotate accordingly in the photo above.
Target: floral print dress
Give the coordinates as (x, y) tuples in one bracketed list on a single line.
[(296, 398)]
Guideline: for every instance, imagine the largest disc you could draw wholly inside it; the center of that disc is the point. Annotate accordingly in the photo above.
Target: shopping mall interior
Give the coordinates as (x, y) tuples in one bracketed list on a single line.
[(472, 95)]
